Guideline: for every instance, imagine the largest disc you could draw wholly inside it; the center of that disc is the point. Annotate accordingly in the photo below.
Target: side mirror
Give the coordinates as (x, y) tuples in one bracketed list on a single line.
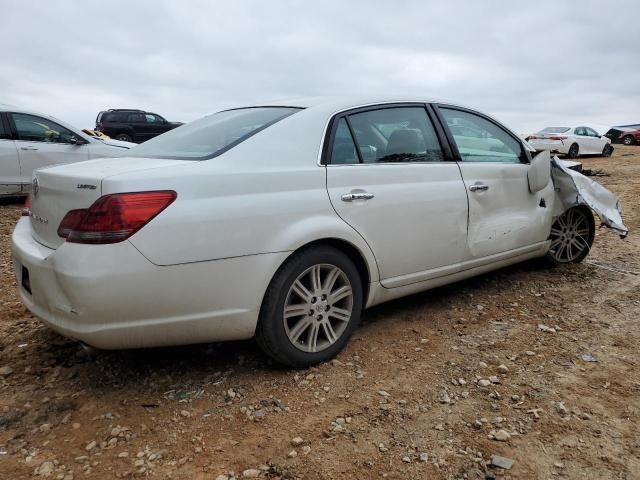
[(539, 174), (76, 140)]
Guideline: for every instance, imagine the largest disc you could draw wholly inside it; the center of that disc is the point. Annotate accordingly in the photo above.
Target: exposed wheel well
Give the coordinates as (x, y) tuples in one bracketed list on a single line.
[(354, 254)]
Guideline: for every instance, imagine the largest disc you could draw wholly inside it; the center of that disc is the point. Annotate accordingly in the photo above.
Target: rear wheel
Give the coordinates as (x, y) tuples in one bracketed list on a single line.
[(311, 307), (571, 236), (574, 150), (628, 140), (607, 150), (123, 137)]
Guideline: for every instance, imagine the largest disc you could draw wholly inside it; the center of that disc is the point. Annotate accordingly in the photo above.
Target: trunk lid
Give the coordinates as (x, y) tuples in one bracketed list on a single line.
[(59, 189)]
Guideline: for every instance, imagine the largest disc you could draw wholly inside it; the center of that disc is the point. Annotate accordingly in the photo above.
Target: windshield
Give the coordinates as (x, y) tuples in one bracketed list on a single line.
[(554, 130), (212, 135)]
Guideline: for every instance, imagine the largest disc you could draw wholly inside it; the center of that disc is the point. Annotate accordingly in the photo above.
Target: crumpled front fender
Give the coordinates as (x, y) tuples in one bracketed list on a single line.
[(572, 188)]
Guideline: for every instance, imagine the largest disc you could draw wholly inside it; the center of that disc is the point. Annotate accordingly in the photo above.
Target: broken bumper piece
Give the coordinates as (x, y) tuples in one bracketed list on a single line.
[(572, 188)]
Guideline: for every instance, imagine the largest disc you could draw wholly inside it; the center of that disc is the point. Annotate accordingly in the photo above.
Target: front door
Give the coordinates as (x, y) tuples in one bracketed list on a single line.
[(41, 142), (503, 215), (388, 178)]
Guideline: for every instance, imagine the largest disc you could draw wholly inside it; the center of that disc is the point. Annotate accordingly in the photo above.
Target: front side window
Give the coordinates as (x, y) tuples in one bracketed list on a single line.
[(389, 135), (591, 132), (152, 118), (479, 140), (38, 129), (581, 131), (212, 135)]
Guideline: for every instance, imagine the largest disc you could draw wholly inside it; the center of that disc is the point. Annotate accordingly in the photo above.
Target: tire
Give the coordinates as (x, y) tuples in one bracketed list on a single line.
[(607, 150), (628, 140), (571, 236), (123, 137), (574, 151), (290, 340)]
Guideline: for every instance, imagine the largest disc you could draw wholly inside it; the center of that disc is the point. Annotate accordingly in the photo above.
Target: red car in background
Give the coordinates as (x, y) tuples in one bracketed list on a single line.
[(627, 134)]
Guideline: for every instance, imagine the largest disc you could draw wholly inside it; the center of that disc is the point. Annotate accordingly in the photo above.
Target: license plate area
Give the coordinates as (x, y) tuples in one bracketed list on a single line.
[(26, 281)]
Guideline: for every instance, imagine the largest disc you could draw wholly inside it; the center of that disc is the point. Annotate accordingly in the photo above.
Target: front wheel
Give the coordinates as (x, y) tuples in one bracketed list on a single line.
[(607, 150), (123, 137), (628, 140), (571, 236), (311, 307)]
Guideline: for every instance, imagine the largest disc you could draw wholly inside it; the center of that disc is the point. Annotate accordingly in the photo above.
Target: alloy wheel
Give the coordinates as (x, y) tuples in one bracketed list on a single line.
[(569, 236), (318, 308), (573, 150), (628, 140)]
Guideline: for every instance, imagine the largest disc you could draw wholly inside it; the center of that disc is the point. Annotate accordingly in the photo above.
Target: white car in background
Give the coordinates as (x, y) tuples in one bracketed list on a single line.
[(30, 140), (571, 141), (284, 222)]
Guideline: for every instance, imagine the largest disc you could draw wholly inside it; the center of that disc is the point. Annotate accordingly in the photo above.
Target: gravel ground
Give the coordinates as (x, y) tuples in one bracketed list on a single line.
[(535, 365)]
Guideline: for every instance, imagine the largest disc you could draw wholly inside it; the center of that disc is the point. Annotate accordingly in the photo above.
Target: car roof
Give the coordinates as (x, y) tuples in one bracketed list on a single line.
[(340, 102)]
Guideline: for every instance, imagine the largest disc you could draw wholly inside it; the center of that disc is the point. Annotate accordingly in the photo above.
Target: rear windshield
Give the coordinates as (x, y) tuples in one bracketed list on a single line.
[(555, 130), (212, 135)]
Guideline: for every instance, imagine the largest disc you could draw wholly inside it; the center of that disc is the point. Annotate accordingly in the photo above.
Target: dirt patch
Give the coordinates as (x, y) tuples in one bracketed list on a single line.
[(430, 386)]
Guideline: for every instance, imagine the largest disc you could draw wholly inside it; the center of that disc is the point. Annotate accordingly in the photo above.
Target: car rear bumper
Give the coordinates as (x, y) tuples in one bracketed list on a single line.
[(112, 297)]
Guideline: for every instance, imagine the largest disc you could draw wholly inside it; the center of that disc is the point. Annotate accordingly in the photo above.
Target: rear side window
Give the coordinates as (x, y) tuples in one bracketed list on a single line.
[(113, 117), (479, 140), (4, 134), (388, 135), (212, 135), (344, 149), (136, 118)]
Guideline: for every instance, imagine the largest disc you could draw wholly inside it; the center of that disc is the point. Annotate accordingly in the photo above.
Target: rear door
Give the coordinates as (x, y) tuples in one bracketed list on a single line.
[(392, 179), (503, 214), (10, 181), (42, 142), (138, 123), (583, 140)]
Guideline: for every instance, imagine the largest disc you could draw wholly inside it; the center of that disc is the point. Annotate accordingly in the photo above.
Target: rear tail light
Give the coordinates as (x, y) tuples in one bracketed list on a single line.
[(114, 218), (27, 205), (71, 221), (557, 138)]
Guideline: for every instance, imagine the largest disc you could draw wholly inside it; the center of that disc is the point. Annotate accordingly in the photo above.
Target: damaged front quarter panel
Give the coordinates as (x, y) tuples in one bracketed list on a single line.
[(572, 188)]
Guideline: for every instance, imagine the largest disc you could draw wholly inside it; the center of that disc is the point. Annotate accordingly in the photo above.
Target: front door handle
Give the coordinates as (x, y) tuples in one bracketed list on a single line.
[(350, 197), (479, 187), (28, 148)]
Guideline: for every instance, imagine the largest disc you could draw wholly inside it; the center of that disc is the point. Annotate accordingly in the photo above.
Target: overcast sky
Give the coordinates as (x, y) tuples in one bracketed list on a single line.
[(530, 63)]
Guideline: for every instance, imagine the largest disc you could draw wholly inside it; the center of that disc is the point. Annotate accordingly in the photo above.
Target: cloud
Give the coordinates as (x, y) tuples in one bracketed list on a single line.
[(530, 64)]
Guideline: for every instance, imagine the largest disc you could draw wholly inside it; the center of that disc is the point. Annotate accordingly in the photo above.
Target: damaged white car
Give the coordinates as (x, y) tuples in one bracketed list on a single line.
[(284, 221)]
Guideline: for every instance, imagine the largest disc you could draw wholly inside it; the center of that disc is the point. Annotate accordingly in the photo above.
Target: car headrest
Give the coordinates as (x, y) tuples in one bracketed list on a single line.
[(403, 141)]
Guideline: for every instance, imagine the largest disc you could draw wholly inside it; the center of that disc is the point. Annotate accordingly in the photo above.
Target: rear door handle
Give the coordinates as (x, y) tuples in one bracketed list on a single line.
[(350, 197), (28, 148), (479, 187)]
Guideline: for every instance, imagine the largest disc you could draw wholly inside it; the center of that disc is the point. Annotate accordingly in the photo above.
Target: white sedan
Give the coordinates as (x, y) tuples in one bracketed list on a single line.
[(284, 221), (30, 140), (571, 141)]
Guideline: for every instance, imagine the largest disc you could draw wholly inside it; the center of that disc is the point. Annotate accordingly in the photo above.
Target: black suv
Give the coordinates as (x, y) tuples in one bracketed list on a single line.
[(132, 125)]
